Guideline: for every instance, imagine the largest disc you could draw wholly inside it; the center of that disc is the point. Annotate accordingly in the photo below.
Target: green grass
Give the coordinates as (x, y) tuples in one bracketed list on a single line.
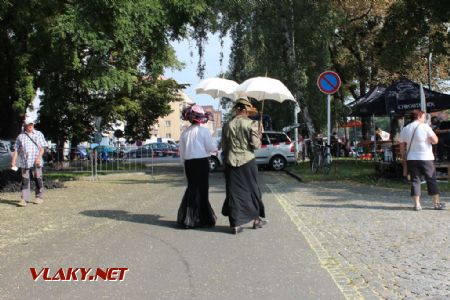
[(64, 176), (122, 166), (345, 169)]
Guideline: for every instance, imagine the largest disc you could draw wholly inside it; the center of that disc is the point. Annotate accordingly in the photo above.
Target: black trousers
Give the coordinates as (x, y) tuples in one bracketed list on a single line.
[(419, 168)]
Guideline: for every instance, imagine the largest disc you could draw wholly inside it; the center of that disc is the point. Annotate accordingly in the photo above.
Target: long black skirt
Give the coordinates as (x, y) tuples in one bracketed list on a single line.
[(243, 202), (195, 209)]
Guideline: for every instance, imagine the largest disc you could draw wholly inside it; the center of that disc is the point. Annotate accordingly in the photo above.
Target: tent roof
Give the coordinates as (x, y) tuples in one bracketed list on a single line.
[(400, 97)]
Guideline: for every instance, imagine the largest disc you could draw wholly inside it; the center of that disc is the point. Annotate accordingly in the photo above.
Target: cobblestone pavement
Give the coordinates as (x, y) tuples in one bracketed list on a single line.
[(370, 240)]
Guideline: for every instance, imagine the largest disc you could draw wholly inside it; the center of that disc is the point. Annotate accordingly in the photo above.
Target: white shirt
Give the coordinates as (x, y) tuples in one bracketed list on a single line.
[(384, 135), (421, 148), (196, 142)]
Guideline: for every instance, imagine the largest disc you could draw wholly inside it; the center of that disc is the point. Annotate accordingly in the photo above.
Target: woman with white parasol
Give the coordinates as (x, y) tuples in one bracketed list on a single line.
[(240, 137)]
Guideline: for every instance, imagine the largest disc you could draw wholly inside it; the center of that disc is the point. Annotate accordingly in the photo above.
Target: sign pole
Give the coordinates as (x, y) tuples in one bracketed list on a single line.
[(329, 83), (328, 122), (296, 111)]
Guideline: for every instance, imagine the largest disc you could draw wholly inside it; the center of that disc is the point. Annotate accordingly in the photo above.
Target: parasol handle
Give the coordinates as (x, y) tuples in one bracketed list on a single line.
[(261, 126)]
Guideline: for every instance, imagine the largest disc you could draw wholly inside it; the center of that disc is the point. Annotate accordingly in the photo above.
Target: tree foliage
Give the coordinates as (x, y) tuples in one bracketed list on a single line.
[(366, 42), (91, 58), (105, 57)]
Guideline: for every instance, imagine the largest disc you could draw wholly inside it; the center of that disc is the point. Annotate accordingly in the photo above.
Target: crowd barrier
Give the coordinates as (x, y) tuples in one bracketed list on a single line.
[(101, 160)]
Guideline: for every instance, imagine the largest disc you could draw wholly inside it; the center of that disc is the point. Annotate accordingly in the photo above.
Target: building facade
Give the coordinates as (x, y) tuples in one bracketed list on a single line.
[(171, 126)]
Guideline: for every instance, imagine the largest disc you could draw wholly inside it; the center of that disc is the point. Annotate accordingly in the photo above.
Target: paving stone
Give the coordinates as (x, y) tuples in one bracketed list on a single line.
[(399, 252)]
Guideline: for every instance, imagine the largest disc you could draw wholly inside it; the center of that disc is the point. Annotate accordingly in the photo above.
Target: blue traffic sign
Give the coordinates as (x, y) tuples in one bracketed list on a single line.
[(329, 82)]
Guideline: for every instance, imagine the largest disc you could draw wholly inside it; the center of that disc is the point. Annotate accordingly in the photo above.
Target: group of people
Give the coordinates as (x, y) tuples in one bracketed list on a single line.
[(240, 137)]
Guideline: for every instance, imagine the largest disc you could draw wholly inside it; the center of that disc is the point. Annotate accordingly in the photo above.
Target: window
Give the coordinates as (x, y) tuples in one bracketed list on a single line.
[(167, 123), (277, 138), (264, 140), (168, 135)]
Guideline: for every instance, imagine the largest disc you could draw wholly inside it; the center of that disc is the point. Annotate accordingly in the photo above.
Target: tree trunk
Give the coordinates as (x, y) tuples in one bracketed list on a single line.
[(289, 34)]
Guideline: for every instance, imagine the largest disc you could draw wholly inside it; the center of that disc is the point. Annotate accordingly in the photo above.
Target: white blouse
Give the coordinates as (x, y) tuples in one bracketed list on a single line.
[(421, 148), (196, 142)]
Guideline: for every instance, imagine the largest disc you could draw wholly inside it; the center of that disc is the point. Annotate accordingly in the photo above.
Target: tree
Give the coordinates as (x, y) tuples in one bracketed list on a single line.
[(90, 58), (286, 40), (412, 32), (20, 22)]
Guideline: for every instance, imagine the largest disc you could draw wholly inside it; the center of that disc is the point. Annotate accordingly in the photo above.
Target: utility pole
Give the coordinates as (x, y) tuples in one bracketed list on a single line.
[(430, 55)]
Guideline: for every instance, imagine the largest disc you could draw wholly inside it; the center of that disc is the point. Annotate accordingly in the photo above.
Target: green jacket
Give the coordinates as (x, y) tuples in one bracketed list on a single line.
[(240, 136)]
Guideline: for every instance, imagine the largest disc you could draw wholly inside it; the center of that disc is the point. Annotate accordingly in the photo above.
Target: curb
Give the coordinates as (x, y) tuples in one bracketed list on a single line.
[(293, 175)]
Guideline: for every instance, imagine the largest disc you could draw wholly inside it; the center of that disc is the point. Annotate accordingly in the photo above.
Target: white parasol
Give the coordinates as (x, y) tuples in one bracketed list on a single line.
[(264, 88), (217, 87)]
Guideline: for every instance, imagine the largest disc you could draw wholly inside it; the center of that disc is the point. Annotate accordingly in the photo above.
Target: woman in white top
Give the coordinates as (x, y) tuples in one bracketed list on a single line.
[(196, 144), (416, 140)]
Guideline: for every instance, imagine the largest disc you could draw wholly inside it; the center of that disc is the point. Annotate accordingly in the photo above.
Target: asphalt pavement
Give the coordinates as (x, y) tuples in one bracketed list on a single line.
[(323, 240), (128, 221)]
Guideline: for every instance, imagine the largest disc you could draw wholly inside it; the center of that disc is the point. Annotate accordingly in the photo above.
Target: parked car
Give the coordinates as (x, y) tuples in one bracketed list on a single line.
[(276, 151), (5, 155), (175, 148), (155, 149), (81, 153), (106, 153)]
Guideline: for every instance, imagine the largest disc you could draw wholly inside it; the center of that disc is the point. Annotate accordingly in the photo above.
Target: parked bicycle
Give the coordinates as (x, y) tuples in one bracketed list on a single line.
[(322, 159)]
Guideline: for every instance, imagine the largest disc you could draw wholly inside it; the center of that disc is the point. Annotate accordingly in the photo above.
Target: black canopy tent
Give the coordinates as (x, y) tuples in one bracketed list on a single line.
[(400, 97), (371, 103)]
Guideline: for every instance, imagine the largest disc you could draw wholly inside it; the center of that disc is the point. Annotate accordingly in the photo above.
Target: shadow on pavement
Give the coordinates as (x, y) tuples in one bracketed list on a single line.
[(9, 202), (150, 219)]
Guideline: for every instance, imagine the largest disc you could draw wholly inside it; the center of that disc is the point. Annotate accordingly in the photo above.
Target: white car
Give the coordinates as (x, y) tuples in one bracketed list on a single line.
[(277, 150)]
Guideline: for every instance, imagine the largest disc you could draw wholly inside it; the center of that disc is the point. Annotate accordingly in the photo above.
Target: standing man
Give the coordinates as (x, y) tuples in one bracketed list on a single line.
[(29, 148)]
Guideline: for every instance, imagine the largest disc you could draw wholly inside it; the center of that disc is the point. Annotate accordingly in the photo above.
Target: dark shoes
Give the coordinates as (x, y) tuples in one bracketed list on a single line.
[(259, 223), (439, 206)]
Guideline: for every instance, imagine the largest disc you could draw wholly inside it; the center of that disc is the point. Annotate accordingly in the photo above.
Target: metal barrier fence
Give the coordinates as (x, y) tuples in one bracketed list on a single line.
[(103, 159)]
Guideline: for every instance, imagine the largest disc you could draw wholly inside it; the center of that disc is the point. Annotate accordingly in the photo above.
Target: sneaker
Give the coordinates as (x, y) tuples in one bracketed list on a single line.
[(22, 203), (417, 207), (439, 206), (38, 201)]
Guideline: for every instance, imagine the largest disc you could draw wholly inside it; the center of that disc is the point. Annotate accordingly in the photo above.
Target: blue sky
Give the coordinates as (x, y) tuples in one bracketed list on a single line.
[(213, 67)]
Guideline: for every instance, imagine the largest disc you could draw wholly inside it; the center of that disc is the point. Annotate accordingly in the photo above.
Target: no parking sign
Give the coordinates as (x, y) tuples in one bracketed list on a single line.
[(329, 82)]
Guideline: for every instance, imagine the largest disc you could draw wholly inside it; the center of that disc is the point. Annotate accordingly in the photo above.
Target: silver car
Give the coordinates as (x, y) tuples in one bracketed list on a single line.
[(5, 155), (277, 150)]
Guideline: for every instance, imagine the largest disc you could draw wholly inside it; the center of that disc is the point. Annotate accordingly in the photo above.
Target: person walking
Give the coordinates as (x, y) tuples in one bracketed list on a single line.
[(29, 148), (416, 140), (240, 137), (196, 144)]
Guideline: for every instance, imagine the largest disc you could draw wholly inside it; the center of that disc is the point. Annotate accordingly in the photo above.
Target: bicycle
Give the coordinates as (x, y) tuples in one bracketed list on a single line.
[(322, 159)]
